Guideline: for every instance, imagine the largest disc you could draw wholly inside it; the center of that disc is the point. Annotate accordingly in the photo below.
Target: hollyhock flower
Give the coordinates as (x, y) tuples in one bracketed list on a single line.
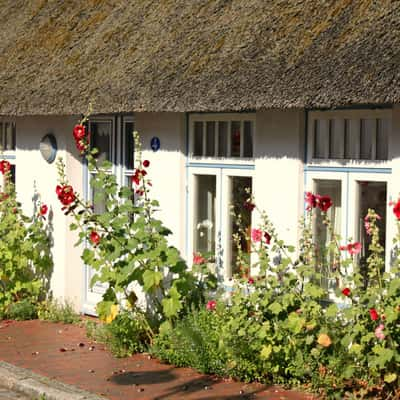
[(43, 209), (373, 314), (198, 259), (211, 305), (396, 209), (368, 228), (311, 200), (65, 194), (248, 205), (146, 163), (324, 340), (352, 248), (346, 292), (250, 281), (5, 166), (79, 132), (379, 332), (139, 174), (324, 203), (256, 235), (94, 238), (267, 238)]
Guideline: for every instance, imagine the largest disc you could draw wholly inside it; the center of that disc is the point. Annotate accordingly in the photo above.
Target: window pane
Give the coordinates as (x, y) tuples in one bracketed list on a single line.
[(222, 139), (382, 139), (210, 142), (240, 226), (101, 139), (367, 134), (336, 138), (321, 138), (9, 136), (198, 139), (248, 139), (98, 198), (371, 195), (204, 223), (322, 236), (129, 145), (352, 138), (235, 139)]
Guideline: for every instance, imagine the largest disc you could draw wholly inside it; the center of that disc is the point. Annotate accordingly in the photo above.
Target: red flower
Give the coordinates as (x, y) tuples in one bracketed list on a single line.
[(65, 194), (43, 209), (267, 238), (5, 166), (324, 202), (94, 238), (248, 205), (211, 305), (3, 196), (352, 248), (256, 235), (146, 163), (198, 259), (250, 281), (311, 201), (373, 314), (346, 292), (79, 132), (396, 209), (139, 174)]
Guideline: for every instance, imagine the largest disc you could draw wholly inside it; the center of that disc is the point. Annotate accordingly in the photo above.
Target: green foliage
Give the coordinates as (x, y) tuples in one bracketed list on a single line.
[(25, 258), (22, 310), (124, 336), (54, 311), (193, 342), (127, 247)]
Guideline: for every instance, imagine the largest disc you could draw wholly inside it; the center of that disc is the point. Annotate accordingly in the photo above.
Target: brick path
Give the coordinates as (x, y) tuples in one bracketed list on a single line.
[(36, 345)]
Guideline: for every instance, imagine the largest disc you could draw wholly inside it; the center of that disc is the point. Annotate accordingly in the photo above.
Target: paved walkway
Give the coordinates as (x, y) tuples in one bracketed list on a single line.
[(63, 353)]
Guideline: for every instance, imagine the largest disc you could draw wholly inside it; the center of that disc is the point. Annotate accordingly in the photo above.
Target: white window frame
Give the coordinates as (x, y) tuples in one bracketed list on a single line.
[(231, 117), (343, 115), (349, 199), (117, 158), (222, 212)]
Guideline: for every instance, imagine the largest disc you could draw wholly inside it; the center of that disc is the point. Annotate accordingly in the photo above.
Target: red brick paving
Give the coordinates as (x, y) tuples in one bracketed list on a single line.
[(36, 345)]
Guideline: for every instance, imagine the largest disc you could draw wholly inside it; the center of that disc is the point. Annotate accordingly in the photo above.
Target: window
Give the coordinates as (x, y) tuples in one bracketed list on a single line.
[(350, 137), (220, 169), (8, 136), (348, 159), (222, 136), (113, 136)]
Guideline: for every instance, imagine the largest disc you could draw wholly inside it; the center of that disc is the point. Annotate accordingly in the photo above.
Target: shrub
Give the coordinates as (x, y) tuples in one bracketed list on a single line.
[(193, 342), (124, 336), (25, 257), (54, 311)]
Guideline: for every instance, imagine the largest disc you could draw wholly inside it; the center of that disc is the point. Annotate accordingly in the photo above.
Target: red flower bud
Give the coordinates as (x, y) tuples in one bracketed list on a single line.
[(43, 209), (146, 163), (373, 314), (346, 292), (5, 166), (94, 238)]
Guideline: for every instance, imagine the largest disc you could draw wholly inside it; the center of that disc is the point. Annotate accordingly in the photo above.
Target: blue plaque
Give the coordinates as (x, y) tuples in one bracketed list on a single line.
[(155, 143)]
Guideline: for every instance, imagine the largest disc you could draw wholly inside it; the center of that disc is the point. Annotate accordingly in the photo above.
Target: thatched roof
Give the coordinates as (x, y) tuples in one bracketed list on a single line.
[(196, 55)]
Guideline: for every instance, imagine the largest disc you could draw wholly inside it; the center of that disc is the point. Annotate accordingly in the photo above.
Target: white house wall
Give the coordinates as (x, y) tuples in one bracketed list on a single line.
[(167, 168), (278, 181), (32, 171)]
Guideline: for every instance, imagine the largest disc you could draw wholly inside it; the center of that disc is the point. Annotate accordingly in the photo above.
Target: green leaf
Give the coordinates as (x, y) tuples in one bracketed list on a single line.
[(151, 279), (275, 308), (171, 306), (389, 378), (266, 352)]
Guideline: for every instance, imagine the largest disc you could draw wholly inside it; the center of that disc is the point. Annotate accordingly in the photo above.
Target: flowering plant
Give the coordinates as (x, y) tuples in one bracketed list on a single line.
[(25, 257), (126, 245)]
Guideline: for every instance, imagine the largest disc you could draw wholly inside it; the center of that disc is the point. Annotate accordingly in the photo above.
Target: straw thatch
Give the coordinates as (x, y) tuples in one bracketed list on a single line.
[(196, 55)]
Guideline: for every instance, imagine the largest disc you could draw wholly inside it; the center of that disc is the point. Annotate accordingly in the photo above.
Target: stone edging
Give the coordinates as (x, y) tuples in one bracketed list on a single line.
[(31, 384)]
